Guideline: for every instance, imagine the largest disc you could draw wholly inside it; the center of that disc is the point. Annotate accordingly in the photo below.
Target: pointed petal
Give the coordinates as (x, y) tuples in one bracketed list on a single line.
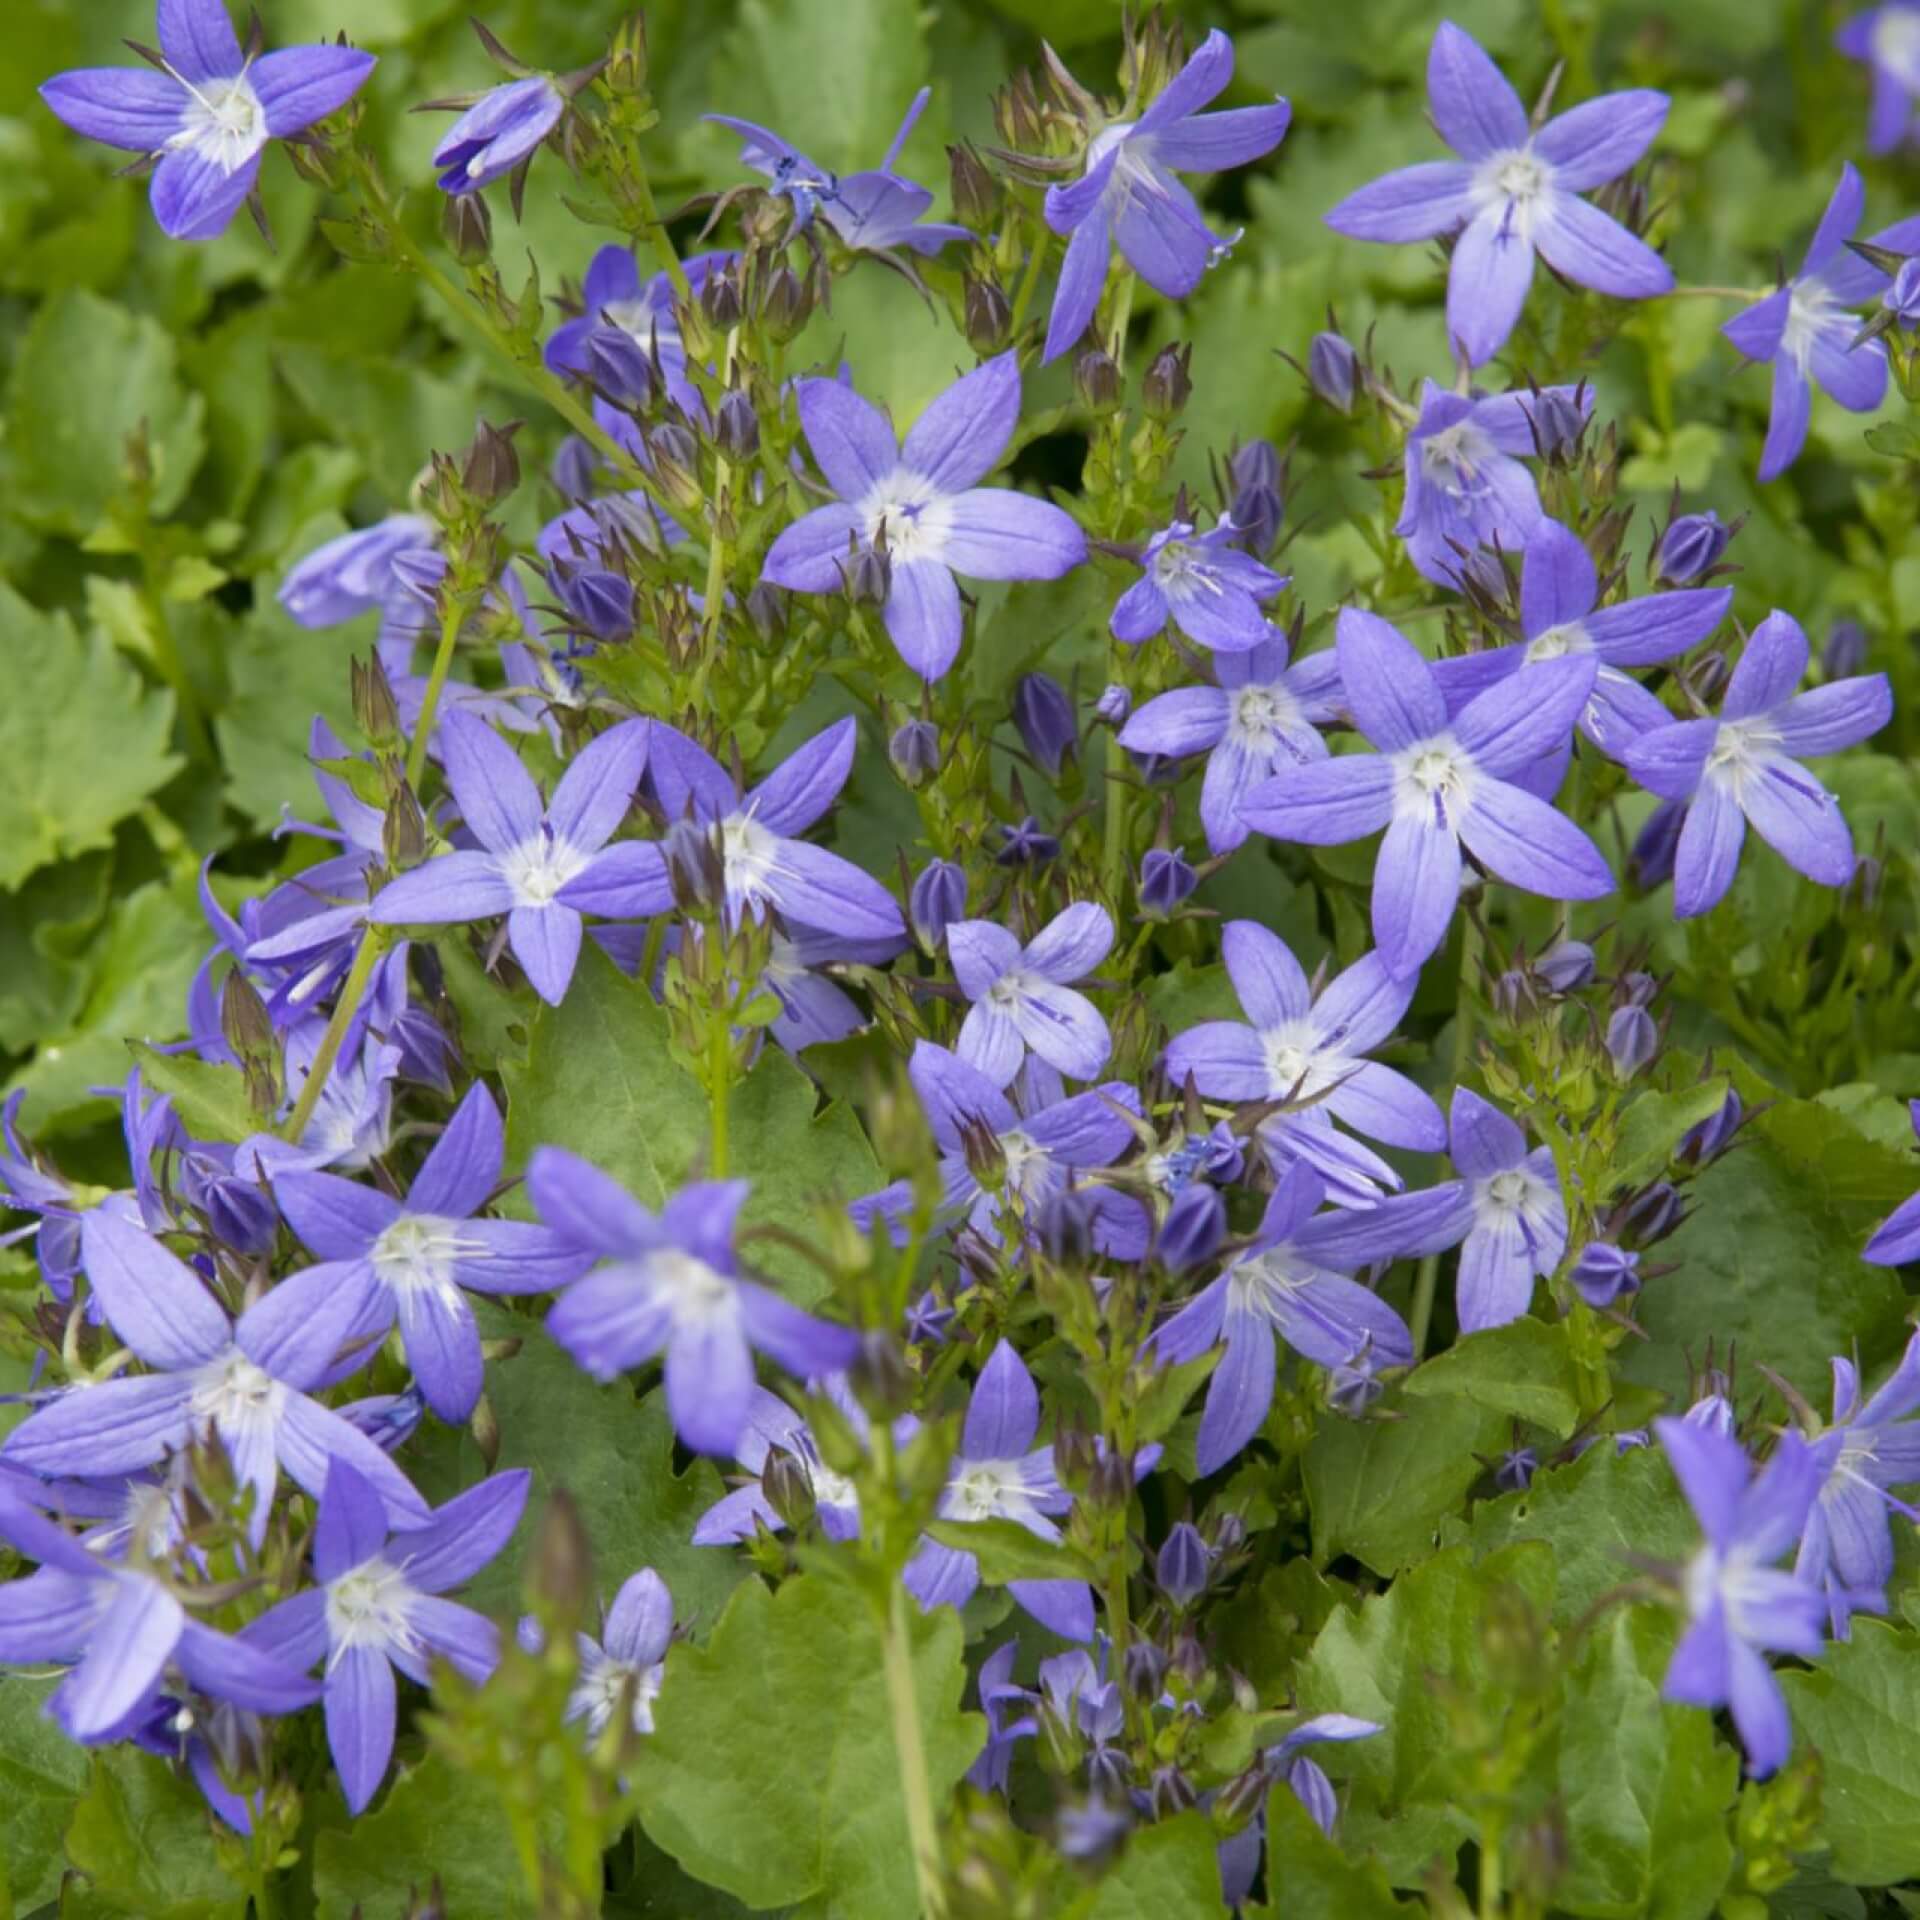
[(1416, 886), (1240, 1392), (1599, 140), (1476, 110), (1395, 699), (850, 439), (958, 440), (806, 784), (153, 1300), (1004, 1414)]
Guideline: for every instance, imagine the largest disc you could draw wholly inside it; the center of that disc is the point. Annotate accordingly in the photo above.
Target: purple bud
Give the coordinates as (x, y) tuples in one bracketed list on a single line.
[(1693, 543), (1485, 570), (573, 468), (620, 366), (1657, 842), (1714, 1135), (1639, 989), (1713, 1411), (1145, 1669), (1354, 1386), (1632, 1040), (937, 898), (1113, 706), (1845, 653), (1184, 1566), (1026, 845), (928, 1319), (1514, 1471), (1257, 502), (1566, 966), (914, 752), (1170, 1792), (1557, 422), (1167, 384), (1166, 879), (1604, 1271), (767, 609), (387, 1419), (696, 869), (600, 601), (1330, 369), (1097, 382), (1902, 299), (736, 427), (1195, 1225), (1065, 1227), (1044, 715), (869, 578), (1651, 1214), (672, 442)]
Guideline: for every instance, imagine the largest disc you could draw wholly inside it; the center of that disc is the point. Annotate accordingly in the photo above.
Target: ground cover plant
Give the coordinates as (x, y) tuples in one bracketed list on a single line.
[(958, 974)]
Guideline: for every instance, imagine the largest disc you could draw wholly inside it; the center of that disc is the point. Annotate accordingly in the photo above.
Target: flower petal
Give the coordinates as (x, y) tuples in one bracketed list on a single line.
[(996, 534), (1487, 283), (923, 616), (958, 440), (299, 85), (1416, 887), (1599, 140), (128, 107), (1414, 203), (1476, 110), (850, 438)]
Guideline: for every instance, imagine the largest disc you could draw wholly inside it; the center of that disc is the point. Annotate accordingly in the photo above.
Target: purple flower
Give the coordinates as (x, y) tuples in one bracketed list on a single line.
[(614, 296), (631, 1654), (1603, 1272), (248, 1382), (1044, 717), (922, 497), (1128, 196), (1807, 328), (1895, 1241), (1010, 1719), (378, 1606), (1513, 192), (999, 1474), (812, 1009), (1258, 718), (1436, 782), (538, 865), (1466, 488), (869, 211), (1692, 544), (1294, 1280), (773, 1428), (1739, 1604), (207, 117), (1312, 1049), (1558, 588), (672, 1282), (769, 868), (1240, 1854), (1206, 583), (1743, 768), (387, 1259), (353, 574), (498, 132), (1887, 38), (121, 1627), (1021, 996)]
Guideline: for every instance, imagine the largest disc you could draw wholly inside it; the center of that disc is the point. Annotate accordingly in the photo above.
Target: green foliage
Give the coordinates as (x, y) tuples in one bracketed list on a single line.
[(41, 1774), (144, 1839)]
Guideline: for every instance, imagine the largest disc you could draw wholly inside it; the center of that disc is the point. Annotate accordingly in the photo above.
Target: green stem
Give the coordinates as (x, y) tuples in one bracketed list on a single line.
[(719, 1083), (656, 232), (1122, 315), (1748, 294), (915, 1788), (371, 943), (1472, 940), (451, 623), (172, 668), (716, 539), (1030, 280)]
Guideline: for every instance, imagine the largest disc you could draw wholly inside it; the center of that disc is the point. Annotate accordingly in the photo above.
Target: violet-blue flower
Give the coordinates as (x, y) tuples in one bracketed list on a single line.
[(923, 500), (1022, 996), (502, 129), (1744, 769), (629, 1658), (614, 295), (354, 573), (1207, 584), (1512, 193), (1895, 1241), (1887, 38)]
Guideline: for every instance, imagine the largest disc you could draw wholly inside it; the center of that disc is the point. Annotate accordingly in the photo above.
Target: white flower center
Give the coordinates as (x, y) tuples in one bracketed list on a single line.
[(1435, 778), (1261, 1281), (1260, 716), (597, 1692), (418, 1254), (750, 853), (640, 320), (1557, 642), (370, 1606), (1895, 43), (1180, 571), (1010, 989), (1452, 459), (1026, 1161), (1741, 750), (1813, 311), (988, 1490), (223, 121), (697, 1295), (1295, 1059), (913, 513), (537, 869), (237, 1397)]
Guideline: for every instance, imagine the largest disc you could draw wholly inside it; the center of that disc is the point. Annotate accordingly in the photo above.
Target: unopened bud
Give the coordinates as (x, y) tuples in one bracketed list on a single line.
[(1065, 1227), (788, 1487), (1558, 422), (620, 366), (880, 1376), (1864, 883), (1257, 503), (467, 225), (1714, 1135), (1845, 652), (736, 427), (937, 898), (1171, 1792), (575, 463), (787, 304), (914, 751), (1902, 299), (1244, 1795), (627, 67), (1330, 370), (1044, 715), (491, 470), (1513, 1472), (375, 711), (560, 1573), (1691, 545), (1354, 1386), (767, 610), (1708, 677), (1566, 966), (720, 299), (696, 868), (1096, 382), (244, 1021), (1632, 1040), (1144, 1670), (1113, 706), (1167, 879), (1603, 1272), (1026, 844), (403, 831), (1183, 1567), (1168, 383), (870, 577), (599, 601), (987, 314), (976, 193)]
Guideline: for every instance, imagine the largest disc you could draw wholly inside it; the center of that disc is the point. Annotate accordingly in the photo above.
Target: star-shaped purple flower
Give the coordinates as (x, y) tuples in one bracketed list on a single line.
[(629, 1658), (500, 131), (1743, 768), (922, 499), (1887, 38), (1021, 996), (1513, 192), (1207, 584), (773, 1428)]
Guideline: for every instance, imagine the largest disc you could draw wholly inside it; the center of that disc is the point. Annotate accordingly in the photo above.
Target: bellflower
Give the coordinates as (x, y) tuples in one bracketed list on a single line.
[(503, 128), (1466, 488), (1847, 1549), (207, 116), (671, 1281), (772, 1428), (1008, 1708), (121, 1628), (1895, 1241), (1807, 328), (1558, 588), (1435, 783), (614, 295), (1740, 1605), (1312, 1049), (248, 1382), (1743, 768), (409, 1260), (1887, 38), (1294, 1280), (922, 499), (1289, 1761), (1512, 193), (999, 1474), (1259, 716), (353, 574), (1128, 196), (1021, 997), (538, 865), (1206, 583), (629, 1658), (377, 1605), (812, 1008)]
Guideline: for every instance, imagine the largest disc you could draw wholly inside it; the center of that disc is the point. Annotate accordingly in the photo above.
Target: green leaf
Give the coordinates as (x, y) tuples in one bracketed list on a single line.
[(1523, 1370), (1007, 1551), (148, 1844), (82, 738), (1861, 1708), (1379, 1489), (389, 413), (1655, 1124), (1310, 1878), (1168, 1868), (211, 1100), (42, 1774), (772, 1771), (89, 373)]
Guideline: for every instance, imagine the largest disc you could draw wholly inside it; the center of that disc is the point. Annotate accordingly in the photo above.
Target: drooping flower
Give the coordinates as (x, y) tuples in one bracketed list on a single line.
[(1207, 584), (1743, 768), (206, 116), (1512, 193), (629, 1658), (409, 1260), (1740, 1605), (1887, 38), (537, 864), (1022, 997), (1436, 783), (1466, 488), (1807, 328), (1128, 196), (1312, 1049), (378, 1605), (500, 131), (672, 1282), (999, 1474), (921, 500), (1289, 1761), (1895, 1241), (1009, 1713), (1260, 715)]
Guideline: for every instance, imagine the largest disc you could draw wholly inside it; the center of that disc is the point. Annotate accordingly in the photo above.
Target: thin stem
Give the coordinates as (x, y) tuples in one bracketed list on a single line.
[(915, 1787), (351, 992), (719, 1085), (1746, 294), (1030, 280), (1472, 941), (655, 229), (451, 623), (1122, 315), (716, 539)]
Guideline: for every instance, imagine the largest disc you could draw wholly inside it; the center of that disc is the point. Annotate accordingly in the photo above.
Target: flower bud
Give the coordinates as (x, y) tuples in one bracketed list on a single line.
[(1065, 1227), (1708, 677), (870, 577), (1566, 966), (375, 711), (1656, 844), (1027, 844), (1354, 1386), (879, 1375), (1244, 1795), (1171, 1792), (1691, 545), (914, 751), (491, 470), (573, 469), (1195, 1225), (1113, 706), (467, 225), (1712, 1137), (1632, 1040), (787, 304), (987, 314), (937, 898), (1604, 1271), (1166, 879), (1651, 1214), (767, 610), (1845, 652), (1144, 1669), (1330, 370), (1183, 1567), (600, 601), (245, 1023), (1514, 1470), (1257, 503), (626, 68), (788, 1487), (676, 460), (1167, 385), (1513, 996), (403, 831), (1044, 715), (620, 366), (975, 192), (736, 427), (696, 868), (1189, 1660), (720, 299), (560, 1569), (1557, 422), (1902, 299), (1096, 382), (1864, 884)]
